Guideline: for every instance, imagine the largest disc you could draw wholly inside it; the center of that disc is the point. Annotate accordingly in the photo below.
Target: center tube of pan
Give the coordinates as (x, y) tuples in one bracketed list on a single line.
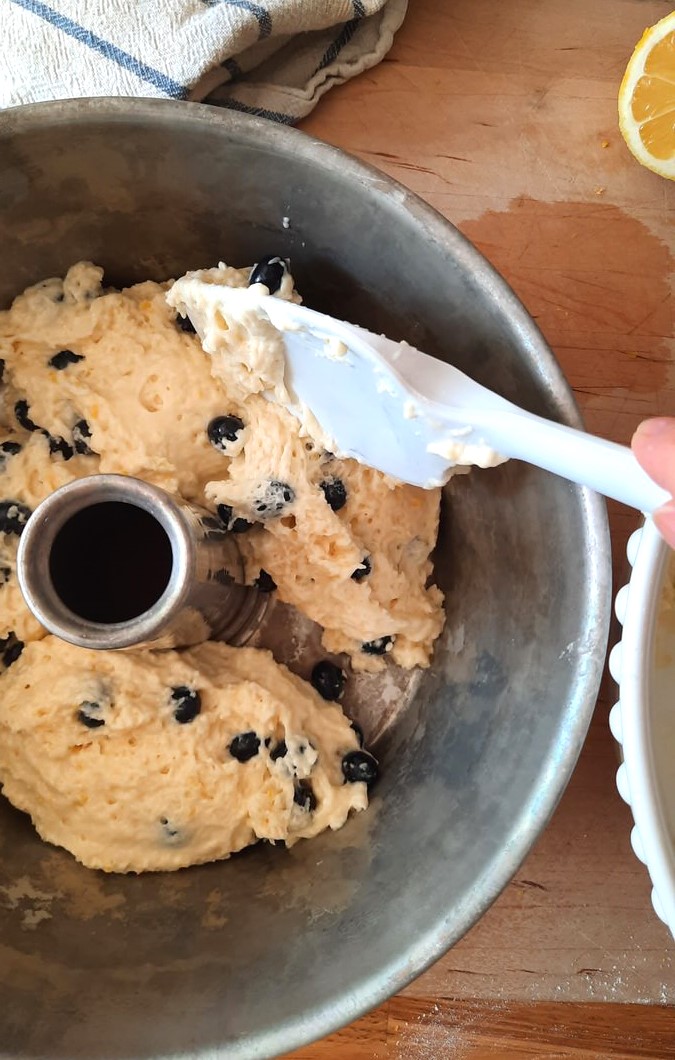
[(110, 562)]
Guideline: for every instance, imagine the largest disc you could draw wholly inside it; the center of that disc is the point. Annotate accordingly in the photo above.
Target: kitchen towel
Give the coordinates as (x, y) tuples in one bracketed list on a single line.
[(273, 58)]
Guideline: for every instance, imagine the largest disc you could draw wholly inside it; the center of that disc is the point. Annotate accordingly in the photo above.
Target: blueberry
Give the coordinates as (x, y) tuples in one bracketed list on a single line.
[(89, 714), (236, 525), (224, 429), (2, 369), (360, 767), (363, 570), (276, 496), (213, 528), (359, 732), (56, 445), (303, 795), (329, 680), (13, 517), (188, 703), (280, 751), (5, 575), (63, 358), (59, 445), (13, 651), (240, 526), (185, 324), (81, 434), (244, 746), (211, 523), (335, 493), (378, 647), (265, 582), (8, 449), (22, 417), (270, 271)]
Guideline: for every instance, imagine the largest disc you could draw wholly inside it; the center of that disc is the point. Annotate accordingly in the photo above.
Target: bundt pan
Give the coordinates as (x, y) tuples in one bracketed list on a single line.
[(257, 955)]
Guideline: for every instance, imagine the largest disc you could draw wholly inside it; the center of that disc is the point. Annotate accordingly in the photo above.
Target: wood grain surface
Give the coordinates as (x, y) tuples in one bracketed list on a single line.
[(427, 1029), (502, 115)]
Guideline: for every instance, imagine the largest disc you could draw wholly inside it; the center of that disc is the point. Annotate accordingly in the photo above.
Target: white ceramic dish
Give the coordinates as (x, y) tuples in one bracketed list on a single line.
[(643, 720)]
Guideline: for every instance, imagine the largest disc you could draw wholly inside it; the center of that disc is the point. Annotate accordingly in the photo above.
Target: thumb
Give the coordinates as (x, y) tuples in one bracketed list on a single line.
[(654, 447), (664, 520)]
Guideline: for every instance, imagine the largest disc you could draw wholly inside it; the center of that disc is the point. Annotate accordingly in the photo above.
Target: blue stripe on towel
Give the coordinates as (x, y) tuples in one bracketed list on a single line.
[(105, 48), (344, 37), (233, 68)]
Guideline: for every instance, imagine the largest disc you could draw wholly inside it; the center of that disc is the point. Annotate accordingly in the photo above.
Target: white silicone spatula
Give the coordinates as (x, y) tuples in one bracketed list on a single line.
[(401, 411)]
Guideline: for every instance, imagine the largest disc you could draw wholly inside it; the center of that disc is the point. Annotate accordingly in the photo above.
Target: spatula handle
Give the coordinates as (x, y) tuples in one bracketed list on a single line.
[(604, 466)]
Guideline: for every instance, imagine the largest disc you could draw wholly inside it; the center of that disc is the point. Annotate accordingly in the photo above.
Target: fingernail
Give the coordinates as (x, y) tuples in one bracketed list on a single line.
[(664, 520), (656, 427)]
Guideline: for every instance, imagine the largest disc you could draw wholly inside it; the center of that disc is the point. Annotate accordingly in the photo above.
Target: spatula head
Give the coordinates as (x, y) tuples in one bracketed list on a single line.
[(341, 382)]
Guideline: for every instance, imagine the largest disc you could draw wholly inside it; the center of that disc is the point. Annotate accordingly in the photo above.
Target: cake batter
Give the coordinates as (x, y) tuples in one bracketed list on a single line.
[(91, 743)]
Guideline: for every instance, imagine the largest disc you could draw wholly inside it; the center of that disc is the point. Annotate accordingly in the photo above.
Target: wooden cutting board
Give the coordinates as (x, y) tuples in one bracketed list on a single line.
[(502, 115)]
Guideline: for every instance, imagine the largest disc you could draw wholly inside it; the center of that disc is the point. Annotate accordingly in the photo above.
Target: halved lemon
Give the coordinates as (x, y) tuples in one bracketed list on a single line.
[(647, 99)]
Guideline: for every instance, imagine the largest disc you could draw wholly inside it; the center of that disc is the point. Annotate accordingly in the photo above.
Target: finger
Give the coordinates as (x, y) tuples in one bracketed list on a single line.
[(654, 447), (664, 519)]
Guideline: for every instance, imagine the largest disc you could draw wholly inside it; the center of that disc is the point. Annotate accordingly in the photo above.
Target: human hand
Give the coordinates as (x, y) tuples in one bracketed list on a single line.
[(654, 447)]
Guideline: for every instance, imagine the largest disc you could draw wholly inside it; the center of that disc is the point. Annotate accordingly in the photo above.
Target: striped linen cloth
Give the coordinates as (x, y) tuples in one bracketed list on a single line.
[(273, 58)]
